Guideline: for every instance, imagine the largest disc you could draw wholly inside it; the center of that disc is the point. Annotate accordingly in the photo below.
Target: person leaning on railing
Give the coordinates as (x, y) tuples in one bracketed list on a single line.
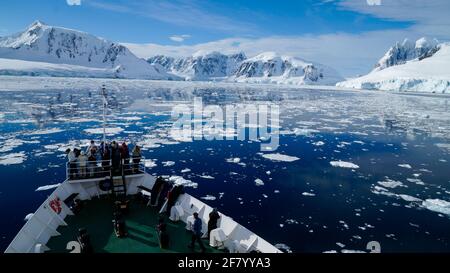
[(125, 156), (136, 154), (91, 152), (72, 163), (115, 157)]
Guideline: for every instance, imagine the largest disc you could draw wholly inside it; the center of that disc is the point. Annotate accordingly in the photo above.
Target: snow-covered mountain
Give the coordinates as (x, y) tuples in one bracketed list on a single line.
[(267, 67), (48, 46), (201, 66), (400, 53), (425, 67), (270, 67)]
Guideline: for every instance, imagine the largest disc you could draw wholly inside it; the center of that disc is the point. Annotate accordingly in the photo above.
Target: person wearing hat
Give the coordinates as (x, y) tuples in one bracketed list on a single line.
[(197, 232)]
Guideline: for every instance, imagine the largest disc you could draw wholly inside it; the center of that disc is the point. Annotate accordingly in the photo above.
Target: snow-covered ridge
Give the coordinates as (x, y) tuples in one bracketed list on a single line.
[(270, 67), (45, 44), (200, 66), (407, 51), (425, 67), (267, 67)]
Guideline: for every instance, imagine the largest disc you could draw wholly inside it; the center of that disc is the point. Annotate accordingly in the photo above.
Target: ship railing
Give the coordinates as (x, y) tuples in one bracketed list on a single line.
[(104, 168)]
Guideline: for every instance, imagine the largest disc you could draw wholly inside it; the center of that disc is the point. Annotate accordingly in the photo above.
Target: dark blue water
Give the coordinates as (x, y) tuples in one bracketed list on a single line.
[(375, 131)]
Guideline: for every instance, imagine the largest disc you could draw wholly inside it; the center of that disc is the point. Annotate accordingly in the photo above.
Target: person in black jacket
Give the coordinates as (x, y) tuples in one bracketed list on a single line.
[(213, 218), (115, 157), (85, 241)]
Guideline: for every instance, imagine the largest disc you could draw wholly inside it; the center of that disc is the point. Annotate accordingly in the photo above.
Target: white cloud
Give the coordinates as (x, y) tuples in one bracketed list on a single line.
[(185, 13), (428, 17), (350, 54), (73, 2), (179, 38)]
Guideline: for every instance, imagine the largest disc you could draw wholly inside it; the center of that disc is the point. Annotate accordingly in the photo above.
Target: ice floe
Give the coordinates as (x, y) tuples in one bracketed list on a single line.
[(344, 164), (13, 159), (45, 131), (168, 163), (308, 194), (48, 187), (389, 183), (150, 163), (109, 131), (406, 166), (178, 180), (208, 197), (280, 157), (259, 182), (437, 205)]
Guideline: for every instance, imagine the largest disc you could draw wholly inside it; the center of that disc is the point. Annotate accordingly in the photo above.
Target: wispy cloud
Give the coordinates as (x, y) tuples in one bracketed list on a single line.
[(428, 17), (178, 12), (73, 2), (180, 38), (350, 54)]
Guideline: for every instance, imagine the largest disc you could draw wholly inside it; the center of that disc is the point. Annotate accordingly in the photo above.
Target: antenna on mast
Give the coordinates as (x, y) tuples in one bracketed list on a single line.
[(105, 105)]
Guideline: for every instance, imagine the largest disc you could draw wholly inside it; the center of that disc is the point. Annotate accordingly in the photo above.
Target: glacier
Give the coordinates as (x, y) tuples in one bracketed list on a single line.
[(416, 69)]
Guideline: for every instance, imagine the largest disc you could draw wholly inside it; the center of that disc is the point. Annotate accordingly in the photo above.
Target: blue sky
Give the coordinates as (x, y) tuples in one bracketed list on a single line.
[(155, 21), (349, 35)]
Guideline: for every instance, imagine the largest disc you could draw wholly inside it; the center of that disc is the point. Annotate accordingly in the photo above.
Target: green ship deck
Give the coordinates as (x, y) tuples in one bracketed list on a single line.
[(96, 216)]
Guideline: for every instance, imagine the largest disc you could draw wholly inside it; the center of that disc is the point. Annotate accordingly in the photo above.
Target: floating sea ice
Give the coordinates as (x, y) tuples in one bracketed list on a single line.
[(208, 197), (109, 131), (409, 198), (319, 143), (283, 247), (178, 180), (389, 183), (150, 163), (406, 166), (45, 132), (207, 177), (186, 170), (233, 160), (437, 205), (416, 181), (291, 221), (280, 157), (344, 164), (48, 187), (259, 182), (168, 163), (308, 194), (13, 159)]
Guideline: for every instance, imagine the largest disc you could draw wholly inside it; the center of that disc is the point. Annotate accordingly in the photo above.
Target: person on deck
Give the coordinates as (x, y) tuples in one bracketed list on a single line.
[(72, 163), (85, 241), (92, 149), (115, 156), (82, 163), (213, 218), (136, 154), (197, 233), (91, 152), (162, 233), (125, 156), (106, 157)]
